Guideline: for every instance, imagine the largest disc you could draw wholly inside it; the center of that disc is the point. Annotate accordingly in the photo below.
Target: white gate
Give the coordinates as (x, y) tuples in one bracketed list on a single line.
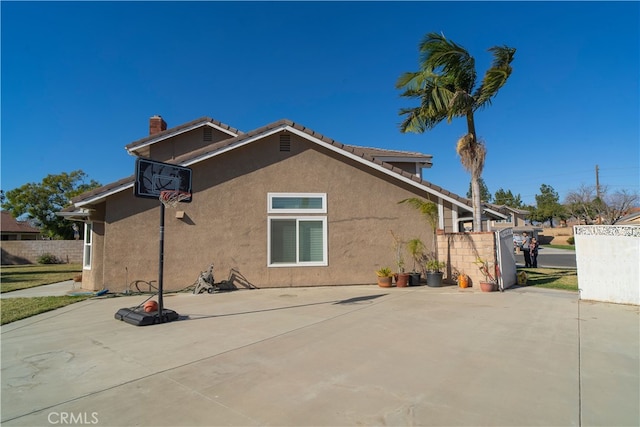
[(507, 274)]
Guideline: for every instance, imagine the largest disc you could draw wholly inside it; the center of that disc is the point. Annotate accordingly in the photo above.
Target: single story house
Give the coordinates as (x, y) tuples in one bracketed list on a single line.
[(12, 229), (279, 206)]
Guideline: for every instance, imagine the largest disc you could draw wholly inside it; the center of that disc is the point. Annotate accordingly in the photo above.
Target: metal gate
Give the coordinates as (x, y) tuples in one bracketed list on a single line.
[(507, 274)]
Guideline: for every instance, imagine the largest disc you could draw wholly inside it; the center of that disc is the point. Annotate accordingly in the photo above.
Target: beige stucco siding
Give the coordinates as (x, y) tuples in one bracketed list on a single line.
[(185, 143), (227, 222)]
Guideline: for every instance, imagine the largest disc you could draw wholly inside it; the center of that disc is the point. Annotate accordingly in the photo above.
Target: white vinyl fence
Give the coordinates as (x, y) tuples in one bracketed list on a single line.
[(608, 261)]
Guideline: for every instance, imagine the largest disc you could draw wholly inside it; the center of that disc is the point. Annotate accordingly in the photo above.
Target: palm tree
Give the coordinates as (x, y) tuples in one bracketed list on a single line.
[(446, 88)]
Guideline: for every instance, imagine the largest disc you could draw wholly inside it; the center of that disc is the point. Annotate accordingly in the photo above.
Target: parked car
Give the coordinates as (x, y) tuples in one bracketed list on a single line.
[(517, 241)]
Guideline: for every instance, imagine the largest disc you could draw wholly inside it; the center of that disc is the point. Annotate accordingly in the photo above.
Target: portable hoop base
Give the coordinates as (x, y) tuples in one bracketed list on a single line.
[(138, 317)]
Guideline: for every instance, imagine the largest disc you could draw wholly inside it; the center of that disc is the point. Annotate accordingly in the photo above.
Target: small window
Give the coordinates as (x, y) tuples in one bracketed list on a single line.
[(86, 255), (297, 203)]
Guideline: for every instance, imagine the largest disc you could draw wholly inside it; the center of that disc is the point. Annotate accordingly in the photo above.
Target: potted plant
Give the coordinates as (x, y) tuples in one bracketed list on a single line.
[(434, 272), (402, 278), (489, 284), (385, 276), (416, 248)]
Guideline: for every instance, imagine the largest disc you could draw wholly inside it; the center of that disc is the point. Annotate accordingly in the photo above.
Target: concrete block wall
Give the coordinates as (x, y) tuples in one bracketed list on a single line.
[(27, 251), (608, 261), (461, 250)]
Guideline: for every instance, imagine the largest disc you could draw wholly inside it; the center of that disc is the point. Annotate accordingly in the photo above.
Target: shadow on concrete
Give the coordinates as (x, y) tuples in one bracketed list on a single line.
[(355, 300)]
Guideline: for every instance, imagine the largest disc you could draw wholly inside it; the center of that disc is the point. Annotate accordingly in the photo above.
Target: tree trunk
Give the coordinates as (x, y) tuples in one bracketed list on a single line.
[(475, 199), (475, 175)]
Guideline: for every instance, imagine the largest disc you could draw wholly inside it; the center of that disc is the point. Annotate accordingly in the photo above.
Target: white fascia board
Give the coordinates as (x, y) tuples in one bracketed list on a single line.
[(104, 195), (181, 131), (83, 214), (378, 167), (221, 129), (496, 213)]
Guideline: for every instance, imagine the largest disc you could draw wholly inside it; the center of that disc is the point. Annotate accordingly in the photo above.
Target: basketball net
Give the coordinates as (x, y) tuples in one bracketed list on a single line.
[(171, 198)]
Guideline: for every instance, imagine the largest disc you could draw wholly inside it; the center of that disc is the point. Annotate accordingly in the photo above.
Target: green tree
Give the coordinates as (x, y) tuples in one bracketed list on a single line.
[(547, 206), (40, 202), (485, 194), (446, 88), (502, 197)]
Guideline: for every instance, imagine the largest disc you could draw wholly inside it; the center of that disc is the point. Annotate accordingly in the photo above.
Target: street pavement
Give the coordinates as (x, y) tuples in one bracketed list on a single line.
[(329, 356), (551, 258)]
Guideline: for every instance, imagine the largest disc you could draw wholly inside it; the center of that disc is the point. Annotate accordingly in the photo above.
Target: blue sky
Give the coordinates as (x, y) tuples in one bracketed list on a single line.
[(81, 79)]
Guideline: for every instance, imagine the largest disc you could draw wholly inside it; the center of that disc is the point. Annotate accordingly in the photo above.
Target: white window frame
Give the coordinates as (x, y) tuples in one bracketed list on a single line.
[(303, 215), (272, 210), (87, 248)]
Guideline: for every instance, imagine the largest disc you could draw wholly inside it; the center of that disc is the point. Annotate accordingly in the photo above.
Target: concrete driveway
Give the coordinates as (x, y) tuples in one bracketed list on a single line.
[(330, 356)]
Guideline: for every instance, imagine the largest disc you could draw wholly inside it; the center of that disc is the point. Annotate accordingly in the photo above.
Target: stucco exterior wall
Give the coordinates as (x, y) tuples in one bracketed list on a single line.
[(608, 261), (227, 221), (185, 143)]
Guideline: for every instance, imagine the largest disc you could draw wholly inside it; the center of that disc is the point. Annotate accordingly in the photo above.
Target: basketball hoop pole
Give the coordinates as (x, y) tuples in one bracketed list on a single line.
[(161, 265), (171, 184)]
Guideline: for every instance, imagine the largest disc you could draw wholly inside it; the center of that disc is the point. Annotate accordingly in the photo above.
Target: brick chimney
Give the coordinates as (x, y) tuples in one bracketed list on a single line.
[(156, 125)]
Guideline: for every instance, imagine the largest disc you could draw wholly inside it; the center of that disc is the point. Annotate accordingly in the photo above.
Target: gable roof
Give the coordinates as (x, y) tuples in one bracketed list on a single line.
[(362, 155), (8, 224), (178, 130)]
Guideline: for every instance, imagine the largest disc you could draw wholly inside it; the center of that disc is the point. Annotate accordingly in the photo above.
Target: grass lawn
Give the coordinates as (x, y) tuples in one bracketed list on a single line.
[(14, 277), (553, 278), (12, 309)]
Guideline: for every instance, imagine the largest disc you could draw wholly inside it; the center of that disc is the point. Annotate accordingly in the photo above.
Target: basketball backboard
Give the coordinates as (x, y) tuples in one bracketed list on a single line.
[(152, 177)]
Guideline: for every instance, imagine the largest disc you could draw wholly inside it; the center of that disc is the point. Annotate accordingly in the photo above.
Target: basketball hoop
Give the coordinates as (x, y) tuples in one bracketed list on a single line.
[(171, 198)]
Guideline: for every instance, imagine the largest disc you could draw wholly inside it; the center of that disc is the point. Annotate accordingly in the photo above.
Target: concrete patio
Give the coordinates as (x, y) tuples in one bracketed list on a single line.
[(330, 356)]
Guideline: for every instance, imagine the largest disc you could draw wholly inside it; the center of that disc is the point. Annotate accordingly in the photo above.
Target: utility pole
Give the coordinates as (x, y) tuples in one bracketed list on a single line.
[(597, 183)]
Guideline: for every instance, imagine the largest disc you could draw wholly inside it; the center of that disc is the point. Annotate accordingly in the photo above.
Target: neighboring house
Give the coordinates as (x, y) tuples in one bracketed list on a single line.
[(630, 219), (246, 215), (12, 229), (515, 217)]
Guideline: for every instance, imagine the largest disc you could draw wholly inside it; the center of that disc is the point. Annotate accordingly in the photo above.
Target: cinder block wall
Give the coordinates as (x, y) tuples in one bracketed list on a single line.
[(16, 252), (461, 250)]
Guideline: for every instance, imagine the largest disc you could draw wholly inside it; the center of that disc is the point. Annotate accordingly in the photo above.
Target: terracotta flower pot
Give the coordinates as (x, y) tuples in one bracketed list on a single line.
[(384, 282), (487, 286), (402, 281)]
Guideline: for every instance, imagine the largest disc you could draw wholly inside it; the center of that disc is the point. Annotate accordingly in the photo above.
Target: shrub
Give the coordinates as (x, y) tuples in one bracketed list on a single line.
[(571, 240), (48, 258)]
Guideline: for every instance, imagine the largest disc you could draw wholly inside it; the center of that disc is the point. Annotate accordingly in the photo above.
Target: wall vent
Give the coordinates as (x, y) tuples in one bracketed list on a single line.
[(208, 134), (285, 142)]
